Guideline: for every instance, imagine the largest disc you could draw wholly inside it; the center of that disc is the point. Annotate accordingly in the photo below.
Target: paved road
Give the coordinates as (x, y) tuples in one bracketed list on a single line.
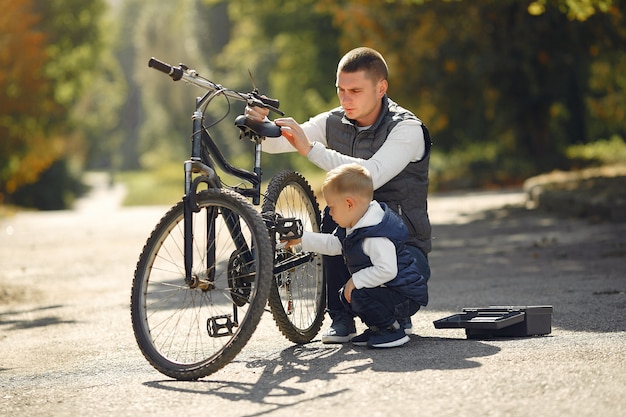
[(67, 349)]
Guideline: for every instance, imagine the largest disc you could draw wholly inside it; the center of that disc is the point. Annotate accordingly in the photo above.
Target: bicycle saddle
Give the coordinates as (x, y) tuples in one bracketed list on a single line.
[(265, 128)]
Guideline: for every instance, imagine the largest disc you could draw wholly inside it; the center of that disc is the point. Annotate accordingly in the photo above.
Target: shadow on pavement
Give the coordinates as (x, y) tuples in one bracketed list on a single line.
[(517, 257), (318, 364), (14, 322), (510, 256)]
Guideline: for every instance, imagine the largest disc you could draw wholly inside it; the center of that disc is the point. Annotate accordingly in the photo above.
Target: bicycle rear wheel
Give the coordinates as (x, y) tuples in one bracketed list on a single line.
[(190, 330), (297, 298)]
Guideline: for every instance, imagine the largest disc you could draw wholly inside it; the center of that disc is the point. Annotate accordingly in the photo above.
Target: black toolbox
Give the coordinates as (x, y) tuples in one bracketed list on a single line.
[(500, 321)]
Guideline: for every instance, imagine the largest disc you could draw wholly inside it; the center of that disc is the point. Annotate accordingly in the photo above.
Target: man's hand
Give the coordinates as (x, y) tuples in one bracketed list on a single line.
[(347, 290), (258, 114), (292, 131)]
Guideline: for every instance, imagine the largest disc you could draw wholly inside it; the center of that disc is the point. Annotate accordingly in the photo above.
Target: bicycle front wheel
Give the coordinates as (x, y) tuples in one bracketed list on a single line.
[(297, 297), (188, 329)]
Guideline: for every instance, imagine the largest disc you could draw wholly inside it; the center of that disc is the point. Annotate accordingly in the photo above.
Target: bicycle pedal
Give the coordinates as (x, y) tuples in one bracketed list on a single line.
[(289, 228), (220, 326), (286, 227)]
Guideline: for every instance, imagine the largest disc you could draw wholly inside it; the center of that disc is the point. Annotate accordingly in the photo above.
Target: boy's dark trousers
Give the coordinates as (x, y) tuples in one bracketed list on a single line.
[(336, 273), (379, 307)]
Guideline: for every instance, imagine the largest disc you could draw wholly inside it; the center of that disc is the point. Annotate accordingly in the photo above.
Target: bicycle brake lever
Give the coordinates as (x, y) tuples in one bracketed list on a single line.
[(265, 102)]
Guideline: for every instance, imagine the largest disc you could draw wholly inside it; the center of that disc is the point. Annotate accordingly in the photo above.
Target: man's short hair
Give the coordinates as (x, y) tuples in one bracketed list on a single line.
[(350, 179), (364, 59)]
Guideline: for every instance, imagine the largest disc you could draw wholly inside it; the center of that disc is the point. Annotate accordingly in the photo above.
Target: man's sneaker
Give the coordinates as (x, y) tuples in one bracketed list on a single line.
[(341, 331), (406, 325), (363, 338), (388, 338)]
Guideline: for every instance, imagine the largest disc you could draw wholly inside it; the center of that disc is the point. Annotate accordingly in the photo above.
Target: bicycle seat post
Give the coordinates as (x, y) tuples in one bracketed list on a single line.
[(256, 199)]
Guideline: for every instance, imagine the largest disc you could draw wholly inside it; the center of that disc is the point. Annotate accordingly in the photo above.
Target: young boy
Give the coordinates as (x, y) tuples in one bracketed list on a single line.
[(385, 283)]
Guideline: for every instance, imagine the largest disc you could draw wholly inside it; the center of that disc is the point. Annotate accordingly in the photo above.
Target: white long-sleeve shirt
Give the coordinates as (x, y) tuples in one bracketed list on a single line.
[(404, 144), (380, 250)]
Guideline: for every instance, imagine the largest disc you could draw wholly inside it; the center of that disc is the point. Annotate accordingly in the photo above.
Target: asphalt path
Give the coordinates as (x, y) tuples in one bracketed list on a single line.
[(67, 347)]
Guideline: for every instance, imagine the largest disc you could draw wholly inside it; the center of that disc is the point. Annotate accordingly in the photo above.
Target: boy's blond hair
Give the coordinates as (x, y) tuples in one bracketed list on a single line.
[(351, 179)]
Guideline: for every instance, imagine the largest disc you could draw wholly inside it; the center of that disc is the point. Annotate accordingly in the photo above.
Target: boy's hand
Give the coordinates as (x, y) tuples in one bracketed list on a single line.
[(291, 242), (347, 290)]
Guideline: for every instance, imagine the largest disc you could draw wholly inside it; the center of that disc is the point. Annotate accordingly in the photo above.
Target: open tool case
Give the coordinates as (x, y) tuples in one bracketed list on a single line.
[(500, 321)]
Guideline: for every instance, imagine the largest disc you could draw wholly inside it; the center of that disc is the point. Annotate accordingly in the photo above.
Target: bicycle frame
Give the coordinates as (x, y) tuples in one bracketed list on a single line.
[(202, 162), (239, 266), (205, 153)]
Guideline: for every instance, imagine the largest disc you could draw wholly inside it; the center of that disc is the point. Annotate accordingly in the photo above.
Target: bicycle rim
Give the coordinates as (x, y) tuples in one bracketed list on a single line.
[(297, 298), (188, 333)]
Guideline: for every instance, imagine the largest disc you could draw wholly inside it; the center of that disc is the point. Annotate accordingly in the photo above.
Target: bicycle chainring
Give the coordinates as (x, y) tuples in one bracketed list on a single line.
[(240, 277)]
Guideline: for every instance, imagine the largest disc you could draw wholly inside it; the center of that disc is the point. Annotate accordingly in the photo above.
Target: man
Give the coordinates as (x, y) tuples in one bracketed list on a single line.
[(389, 141)]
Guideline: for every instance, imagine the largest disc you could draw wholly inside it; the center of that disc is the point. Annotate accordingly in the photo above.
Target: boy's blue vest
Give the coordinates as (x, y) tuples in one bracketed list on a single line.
[(409, 281)]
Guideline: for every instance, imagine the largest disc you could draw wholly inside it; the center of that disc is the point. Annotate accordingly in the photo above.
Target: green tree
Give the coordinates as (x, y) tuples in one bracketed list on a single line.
[(51, 50), (154, 121), (25, 151), (100, 109), (291, 49), (504, 85), (223, 40), (512, 77), (73, 49)]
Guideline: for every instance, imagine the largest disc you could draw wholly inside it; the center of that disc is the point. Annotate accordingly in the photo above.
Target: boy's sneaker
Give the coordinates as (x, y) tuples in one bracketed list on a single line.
[(406, 325), (363, 338), (341, 331), (390, 337)]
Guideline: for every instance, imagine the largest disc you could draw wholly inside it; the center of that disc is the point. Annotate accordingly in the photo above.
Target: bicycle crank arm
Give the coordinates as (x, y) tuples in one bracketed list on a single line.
[(292, 262)]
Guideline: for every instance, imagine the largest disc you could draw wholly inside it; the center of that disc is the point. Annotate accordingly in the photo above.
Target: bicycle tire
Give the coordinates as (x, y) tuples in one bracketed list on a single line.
[(297, 298), (188, 333)]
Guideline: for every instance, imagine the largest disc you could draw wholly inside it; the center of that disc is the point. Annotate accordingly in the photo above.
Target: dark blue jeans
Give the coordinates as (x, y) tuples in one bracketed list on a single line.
[(379, 307)]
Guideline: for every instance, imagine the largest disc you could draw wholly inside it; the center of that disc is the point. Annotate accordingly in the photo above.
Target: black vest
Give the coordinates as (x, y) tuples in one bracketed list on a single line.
[(407, 192)]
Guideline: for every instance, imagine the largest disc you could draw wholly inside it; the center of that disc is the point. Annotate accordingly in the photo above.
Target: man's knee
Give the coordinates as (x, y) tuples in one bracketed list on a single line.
[(421, 259)]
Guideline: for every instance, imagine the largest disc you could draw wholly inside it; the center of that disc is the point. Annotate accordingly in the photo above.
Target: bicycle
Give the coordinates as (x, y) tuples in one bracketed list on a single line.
[(213, 262)]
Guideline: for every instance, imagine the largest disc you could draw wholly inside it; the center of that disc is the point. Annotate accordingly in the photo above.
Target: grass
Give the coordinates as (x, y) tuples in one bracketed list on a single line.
[(162, 186), (600, 152), (165, 185)]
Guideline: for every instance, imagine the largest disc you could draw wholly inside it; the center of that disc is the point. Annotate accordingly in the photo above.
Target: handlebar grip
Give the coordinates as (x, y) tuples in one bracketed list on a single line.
[(175, 72), (270, 102)]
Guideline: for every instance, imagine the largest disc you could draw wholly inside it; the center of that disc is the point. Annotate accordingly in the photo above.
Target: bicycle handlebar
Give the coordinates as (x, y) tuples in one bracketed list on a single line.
[(192, 77), (175, 72)]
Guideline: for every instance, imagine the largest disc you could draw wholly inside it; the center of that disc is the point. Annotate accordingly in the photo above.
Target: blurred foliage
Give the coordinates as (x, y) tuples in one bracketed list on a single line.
[(486, 71), (476, 166), (47, 57), (601, 152), (25, 149), (225, 42), (100, 109), (508, 88), (162, 185), (56, 189)]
